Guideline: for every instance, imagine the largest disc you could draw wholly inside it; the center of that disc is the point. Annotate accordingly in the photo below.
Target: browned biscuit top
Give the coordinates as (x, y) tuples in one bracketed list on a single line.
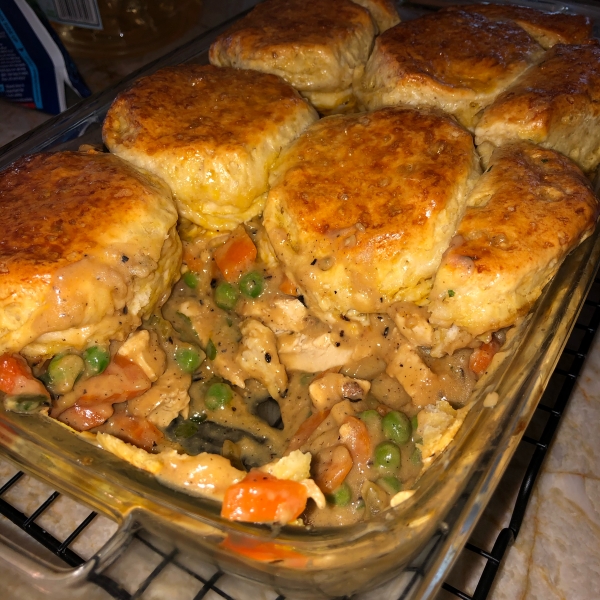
[(567, 82), (190, 105), (56, 208), (306, 23), (458, 49), (547, 28)]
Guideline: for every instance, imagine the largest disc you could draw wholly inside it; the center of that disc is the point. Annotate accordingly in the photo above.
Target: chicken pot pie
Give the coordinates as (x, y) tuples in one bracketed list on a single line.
[(89, 248), (361, 207), (556, 105), (210, 133), (456, 61), (526, 213), (316, 46), (547, 28)]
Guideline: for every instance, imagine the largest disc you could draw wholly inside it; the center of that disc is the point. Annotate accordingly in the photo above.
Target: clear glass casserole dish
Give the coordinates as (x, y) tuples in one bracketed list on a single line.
[(323, 563)]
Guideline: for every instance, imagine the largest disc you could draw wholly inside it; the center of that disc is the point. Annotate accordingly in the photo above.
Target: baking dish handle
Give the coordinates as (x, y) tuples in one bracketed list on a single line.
[(48, 577)]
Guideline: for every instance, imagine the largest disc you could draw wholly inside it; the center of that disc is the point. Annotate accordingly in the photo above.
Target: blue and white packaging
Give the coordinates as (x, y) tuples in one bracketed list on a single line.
[(34, 65)]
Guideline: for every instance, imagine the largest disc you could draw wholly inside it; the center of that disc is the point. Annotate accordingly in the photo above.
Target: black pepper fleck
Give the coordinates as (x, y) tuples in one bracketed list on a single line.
[(267, 357), (124, 258)]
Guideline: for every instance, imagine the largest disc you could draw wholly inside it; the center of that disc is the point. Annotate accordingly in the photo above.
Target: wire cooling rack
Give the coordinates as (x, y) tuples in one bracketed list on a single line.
[(146, 564)]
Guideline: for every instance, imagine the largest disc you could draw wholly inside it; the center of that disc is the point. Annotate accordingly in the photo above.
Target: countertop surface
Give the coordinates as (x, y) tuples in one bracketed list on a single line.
[(557, 552)]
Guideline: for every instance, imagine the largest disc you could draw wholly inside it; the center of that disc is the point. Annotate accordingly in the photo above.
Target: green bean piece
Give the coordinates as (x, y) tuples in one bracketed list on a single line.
[(211, 350), (414, 422), (188, 358), (415, 457), (342, 496), (396, 427), (186, 429), (63, 371), (190, 279), (225, 296), (252, 284), (25, 404), (218, 396), (96, 360), (389, 484), (387, 456)]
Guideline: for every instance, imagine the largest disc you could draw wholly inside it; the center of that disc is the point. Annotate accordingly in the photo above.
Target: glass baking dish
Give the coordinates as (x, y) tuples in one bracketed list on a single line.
[(322, 563)]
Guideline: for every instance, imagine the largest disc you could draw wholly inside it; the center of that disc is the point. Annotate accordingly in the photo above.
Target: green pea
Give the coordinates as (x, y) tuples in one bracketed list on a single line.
[(387, 456), (190, 279), (396, 427), (96, 360), (370, 416), (389, 484), (225, 296), (342, 496), (211, 350), (218, 396), (188, 358), (186, 429), (25, 403), (252, 284), (63, 371)]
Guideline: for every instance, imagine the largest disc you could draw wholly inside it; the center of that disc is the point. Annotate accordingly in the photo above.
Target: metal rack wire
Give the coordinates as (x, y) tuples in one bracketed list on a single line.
[(207, 581)]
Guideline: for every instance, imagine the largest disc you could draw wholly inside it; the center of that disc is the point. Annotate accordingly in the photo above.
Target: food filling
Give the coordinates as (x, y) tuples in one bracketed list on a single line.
[(236, 391)]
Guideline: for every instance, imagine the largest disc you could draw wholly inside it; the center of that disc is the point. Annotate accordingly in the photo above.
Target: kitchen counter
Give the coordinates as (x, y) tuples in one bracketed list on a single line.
[(557, 552)]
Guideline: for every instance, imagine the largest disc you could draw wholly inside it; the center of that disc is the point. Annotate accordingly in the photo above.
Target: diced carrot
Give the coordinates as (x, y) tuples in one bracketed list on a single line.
[(306, 430), (262, 498), (236, 256), (194, 263), (133, 430), (264, 551), (16, 377), (121, 381), (481, 357), (287, 286), (355, 435), (331, 467)]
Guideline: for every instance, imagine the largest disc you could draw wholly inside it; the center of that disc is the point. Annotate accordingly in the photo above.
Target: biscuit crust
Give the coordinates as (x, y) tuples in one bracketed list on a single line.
[(362, 207), (315, 45), (210, 133), (546, 28), (457, 61), (526, 213), (89, 247), (556, 104)]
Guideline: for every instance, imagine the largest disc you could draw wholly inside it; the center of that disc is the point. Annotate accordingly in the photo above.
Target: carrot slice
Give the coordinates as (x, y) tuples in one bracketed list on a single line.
[(262, 498), (355, 435), (306, 430), (16, 377), (264, 551), (331, 466), (133, 430), (287, 286), (236, 256), (481, 357)]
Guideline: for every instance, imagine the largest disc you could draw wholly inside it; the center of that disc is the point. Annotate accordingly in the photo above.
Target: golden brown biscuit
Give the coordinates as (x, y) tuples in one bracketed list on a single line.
[(546, 28), (89, 247), (556, 104), (527, 211), (384, 13), (362, 207), (457, 61), (315, 45), (210, 133)]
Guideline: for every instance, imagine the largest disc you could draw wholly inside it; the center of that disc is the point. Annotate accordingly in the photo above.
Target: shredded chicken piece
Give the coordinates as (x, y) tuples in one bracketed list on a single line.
[(143, 348), (203, 322), (300, 352), (281, 315), (165, 399), (419, 381), (412, 322), (259, 359)]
